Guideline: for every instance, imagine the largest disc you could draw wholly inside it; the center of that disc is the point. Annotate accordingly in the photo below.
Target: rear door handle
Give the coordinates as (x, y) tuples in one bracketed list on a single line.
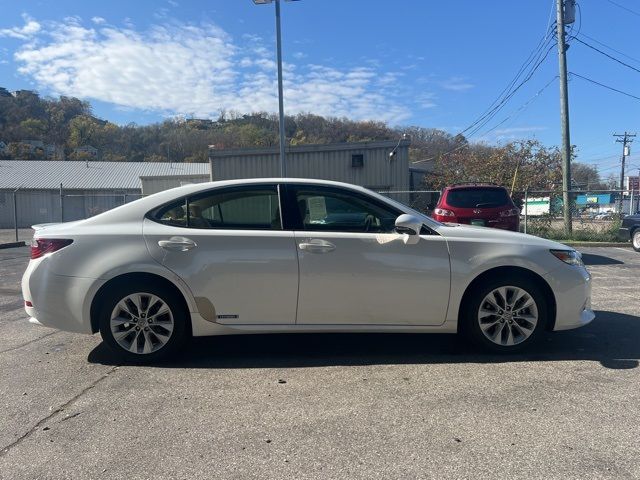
[(316, 245), (177, 244)]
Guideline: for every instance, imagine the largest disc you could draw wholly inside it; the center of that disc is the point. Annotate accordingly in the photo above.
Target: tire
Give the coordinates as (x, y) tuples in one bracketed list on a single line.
[(158, 322), (490, 323), (635, 239)]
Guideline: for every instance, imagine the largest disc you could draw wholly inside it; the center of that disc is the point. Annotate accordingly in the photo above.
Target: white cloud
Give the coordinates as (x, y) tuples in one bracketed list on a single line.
[(457, 84), (180, 68), (28, 30), (299, 55), (98, 20)]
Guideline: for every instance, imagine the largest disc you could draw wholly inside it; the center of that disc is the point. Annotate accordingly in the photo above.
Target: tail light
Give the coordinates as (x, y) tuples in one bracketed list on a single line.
[(510, 213), (444, 212), (42, 246)]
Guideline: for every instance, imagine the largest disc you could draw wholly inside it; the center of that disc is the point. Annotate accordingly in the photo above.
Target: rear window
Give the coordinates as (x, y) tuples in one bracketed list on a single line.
[(478, 197)]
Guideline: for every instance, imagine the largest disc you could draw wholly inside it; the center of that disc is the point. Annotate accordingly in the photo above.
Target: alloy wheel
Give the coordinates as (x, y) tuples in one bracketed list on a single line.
[(141, 323), (508, 315)]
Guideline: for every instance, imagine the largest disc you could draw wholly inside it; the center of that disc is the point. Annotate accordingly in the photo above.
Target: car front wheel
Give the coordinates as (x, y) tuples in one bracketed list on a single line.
[(635, 239), (506, 315), (144, 324)]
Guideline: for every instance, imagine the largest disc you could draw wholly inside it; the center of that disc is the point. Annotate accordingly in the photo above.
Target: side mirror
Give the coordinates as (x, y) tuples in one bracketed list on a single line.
[(409, 224)]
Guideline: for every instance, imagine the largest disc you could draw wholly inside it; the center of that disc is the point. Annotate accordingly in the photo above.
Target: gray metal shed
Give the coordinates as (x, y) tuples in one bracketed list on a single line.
[(88, 188), (363, 163)]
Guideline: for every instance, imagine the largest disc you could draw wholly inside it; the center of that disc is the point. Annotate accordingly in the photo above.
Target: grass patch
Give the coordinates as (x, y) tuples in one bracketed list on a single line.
[(583, 231)]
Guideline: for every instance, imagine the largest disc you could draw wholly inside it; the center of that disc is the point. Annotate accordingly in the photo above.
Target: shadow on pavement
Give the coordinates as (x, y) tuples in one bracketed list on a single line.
[(592, 259), (613, 339)]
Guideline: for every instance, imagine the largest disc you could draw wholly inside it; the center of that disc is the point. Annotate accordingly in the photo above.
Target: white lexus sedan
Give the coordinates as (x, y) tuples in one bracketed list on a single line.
[(295, 255)]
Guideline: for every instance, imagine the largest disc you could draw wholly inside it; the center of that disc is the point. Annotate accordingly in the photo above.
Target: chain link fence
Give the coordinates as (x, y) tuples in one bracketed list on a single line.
[(595, 214)]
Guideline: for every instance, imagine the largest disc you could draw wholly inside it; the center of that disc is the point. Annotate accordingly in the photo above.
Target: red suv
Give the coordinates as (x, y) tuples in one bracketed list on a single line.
[(479, 204)]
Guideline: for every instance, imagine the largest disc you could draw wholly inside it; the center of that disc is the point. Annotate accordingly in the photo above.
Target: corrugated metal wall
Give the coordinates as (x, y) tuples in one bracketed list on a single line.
[(43, 206), (151, 185), (379, 172)]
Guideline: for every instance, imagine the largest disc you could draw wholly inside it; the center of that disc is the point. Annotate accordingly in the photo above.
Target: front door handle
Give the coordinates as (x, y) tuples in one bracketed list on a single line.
[(317, 246), (177, 244)]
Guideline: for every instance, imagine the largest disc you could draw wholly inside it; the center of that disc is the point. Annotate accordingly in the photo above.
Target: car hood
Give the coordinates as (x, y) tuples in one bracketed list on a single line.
[(455, 231)]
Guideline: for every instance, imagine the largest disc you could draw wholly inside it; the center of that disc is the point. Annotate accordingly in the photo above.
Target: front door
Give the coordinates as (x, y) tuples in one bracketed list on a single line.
[(228, 245), (354, 268)]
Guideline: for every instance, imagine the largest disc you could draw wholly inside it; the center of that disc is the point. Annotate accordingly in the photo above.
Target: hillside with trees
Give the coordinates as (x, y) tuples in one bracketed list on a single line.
[(68, 123)]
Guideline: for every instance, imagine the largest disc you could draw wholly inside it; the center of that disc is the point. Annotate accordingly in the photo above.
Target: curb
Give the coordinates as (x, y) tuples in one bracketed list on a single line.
[(12, 245), (596, 244)]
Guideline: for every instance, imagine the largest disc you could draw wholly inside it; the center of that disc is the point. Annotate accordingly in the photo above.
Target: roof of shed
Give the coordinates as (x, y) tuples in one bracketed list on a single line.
[(78, 175)]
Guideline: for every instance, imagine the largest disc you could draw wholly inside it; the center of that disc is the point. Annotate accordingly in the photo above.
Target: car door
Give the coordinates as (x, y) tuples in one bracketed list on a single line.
[(228, 245), (354, 267)]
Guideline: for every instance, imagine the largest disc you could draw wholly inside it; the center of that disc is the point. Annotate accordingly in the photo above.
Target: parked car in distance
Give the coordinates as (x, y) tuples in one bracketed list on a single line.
[(630, 230), (295, 255), (483, 205)]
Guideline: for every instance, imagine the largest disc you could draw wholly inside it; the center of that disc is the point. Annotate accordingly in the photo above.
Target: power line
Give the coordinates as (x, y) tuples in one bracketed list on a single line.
[(607, 46), (496, 105), (603, 85), (607, 55), (623, 7), (523, 106), (491, 114)]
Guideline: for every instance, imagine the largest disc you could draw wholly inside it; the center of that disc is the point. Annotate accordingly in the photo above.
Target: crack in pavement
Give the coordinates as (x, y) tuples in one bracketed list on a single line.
[(29, 342), (54, 412)]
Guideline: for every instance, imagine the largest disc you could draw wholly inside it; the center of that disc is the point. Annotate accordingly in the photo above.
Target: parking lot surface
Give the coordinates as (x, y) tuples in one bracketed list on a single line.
[(327, 406)]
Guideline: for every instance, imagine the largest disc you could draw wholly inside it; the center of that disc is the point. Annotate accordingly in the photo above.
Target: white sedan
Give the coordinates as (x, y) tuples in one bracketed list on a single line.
[(295, 255)]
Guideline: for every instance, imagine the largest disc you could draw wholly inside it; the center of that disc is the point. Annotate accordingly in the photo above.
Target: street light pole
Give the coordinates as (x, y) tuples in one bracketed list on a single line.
[(283, 158)]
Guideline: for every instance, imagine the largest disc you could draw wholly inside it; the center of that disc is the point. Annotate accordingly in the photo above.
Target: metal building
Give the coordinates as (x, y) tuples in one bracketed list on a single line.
[(365, 163), (35, 191)]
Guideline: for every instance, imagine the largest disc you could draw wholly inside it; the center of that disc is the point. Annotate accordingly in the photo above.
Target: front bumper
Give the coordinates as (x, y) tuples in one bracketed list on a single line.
[(624, 234), (572, 288)]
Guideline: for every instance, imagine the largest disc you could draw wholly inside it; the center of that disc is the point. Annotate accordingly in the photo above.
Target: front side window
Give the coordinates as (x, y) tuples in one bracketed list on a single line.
[(336, 210), (244, 208)]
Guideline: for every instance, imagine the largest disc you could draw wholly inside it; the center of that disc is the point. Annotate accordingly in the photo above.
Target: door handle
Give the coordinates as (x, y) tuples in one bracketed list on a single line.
[(177, 244), (317, 246)]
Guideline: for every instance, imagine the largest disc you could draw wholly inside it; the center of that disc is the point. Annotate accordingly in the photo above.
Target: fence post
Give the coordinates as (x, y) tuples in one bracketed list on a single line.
[(61, 205), (15, 213), (631, 203), (526, 201)]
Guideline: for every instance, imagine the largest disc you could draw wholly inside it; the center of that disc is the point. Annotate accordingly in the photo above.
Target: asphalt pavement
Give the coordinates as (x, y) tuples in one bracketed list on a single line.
[(348, 406)]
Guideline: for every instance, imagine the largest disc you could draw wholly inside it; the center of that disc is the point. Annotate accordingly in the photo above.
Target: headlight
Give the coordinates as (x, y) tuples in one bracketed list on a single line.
[(570, 257)]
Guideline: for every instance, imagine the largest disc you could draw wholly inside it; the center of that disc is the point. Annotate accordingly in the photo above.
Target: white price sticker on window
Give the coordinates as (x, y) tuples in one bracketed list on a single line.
[(317, 209)]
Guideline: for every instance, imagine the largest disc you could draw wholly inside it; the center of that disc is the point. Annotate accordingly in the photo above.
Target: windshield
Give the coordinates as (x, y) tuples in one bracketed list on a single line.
[(478, 197)]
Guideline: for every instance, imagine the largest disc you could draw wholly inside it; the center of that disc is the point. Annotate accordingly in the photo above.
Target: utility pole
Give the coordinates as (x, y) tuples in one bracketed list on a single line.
[(564, 114), (625, 139)]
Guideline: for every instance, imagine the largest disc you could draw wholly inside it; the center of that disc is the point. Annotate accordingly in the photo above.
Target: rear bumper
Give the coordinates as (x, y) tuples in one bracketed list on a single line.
[(58, 301), (572, 288)]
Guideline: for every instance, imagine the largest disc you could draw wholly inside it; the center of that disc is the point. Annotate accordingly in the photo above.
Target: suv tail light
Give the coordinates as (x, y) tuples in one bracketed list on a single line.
[(42, 246), (510, 213), (444, 212)]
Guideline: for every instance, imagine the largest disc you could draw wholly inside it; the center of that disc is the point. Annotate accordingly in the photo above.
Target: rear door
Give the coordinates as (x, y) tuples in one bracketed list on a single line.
[(354, 268), (228, 245)]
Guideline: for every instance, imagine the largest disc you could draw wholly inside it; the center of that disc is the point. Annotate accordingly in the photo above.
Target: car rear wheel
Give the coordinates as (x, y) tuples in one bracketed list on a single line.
[(144, 324), (635, 239), (506, 315)]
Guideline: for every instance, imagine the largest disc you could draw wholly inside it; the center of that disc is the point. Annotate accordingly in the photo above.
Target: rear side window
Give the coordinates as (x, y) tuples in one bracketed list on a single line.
[(477, 197), (244, 208)]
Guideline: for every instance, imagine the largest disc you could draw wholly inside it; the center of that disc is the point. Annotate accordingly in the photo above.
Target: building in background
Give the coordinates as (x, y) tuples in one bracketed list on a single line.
[(54, 191), (368, 164), (632, 184)]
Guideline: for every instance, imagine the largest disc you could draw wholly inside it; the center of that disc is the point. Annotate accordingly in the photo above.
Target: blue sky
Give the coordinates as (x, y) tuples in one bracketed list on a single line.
[(409, 62)]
